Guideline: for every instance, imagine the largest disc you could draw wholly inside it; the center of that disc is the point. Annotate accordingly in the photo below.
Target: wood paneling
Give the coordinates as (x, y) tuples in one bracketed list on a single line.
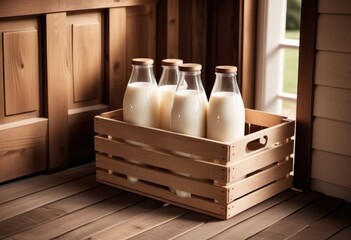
[(332, 136), (117, 51), (335, 6), (331, 167), (192, 34), (141, 33), (85, 51), (86, 86), (332, 103), (24, 7), (331, 189), (87, 61), (23, 133), (331, 158), (172, 28), (23, 147), (19, 87), (21, 71), (57, 82), (333, 69), (334, 33)]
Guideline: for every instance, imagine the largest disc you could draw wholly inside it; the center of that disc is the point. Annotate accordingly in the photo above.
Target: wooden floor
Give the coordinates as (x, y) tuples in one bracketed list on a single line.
[(72, 205)]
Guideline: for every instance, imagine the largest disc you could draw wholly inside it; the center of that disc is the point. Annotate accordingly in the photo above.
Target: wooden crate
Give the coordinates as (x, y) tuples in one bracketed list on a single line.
[(225, 179)]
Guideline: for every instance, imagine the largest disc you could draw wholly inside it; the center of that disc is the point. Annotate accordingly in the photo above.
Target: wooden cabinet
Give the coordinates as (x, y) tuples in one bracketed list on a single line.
[(60, 65)]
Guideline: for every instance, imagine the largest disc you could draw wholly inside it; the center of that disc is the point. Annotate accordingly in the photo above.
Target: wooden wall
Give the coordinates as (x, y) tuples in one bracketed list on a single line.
[(63, 62), (60, 65), (331, 138)]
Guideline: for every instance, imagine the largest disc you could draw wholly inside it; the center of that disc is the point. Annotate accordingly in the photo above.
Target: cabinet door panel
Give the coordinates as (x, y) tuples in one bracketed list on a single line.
[(85, 34), (86, 61), (21, 71)]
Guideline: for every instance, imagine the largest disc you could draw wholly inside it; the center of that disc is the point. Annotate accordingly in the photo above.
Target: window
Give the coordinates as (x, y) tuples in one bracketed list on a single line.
[(278, 49)]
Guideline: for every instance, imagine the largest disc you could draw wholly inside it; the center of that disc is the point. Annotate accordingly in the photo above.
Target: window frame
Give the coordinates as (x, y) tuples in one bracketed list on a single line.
[(270, 59)]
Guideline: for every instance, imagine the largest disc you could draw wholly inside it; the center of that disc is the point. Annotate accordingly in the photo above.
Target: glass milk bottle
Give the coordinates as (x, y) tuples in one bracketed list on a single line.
[(166, 89), (226, 111), (188, 114), (141, 100)]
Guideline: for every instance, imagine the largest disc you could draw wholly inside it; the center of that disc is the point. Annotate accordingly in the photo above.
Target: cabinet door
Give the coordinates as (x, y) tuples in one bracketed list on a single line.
[(85, 39), (23, 130), (88, 65), (75, 57)]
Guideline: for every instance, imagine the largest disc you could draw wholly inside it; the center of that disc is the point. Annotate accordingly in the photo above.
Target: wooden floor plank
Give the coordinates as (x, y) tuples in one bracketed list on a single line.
[(216, 226), (142, 223), (38, 199), (23, 187), (328, 226), (343, 234), (252, 226), (72, 205), (111, 220), (176, 227), (79, 218), (55, 210), (300, 220)]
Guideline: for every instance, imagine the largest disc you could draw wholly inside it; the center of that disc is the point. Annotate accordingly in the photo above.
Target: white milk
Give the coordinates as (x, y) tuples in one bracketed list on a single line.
[(225, 117), (188, 116), (166, 93), (141, 104), (188, 113), (141, 107)]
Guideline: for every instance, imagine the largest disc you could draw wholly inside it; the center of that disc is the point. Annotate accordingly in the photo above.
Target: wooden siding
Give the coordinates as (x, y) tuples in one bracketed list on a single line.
[(331, 154)]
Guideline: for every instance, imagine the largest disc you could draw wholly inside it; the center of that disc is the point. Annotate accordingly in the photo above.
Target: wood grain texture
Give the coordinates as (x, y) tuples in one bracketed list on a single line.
[(21, 71), (87, 61), (333, 69), (135, 209), (335, 6), (78, 208), (248, 228), (35, 200), (327, 226), (24, 7), (248, 55), (117, 51), (142, 223), (57, 83), (304, 105), (332, 103), (334, 33), (141, 33), (332, 136), (55, 210), (21, 188), (173, 28), (331, 167), (23, 148), (299, 220)]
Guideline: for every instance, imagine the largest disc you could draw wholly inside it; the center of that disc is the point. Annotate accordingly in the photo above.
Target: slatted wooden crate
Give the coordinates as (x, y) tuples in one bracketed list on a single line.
[(223, 179)]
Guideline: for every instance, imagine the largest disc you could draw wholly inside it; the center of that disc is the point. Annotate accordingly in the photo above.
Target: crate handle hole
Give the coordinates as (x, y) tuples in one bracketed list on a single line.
[(257, 144)]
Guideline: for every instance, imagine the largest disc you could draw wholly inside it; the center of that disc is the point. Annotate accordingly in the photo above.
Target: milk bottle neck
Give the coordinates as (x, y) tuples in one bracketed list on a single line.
[(142, 73), (191, 80), (226, 82), (169, 76)]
